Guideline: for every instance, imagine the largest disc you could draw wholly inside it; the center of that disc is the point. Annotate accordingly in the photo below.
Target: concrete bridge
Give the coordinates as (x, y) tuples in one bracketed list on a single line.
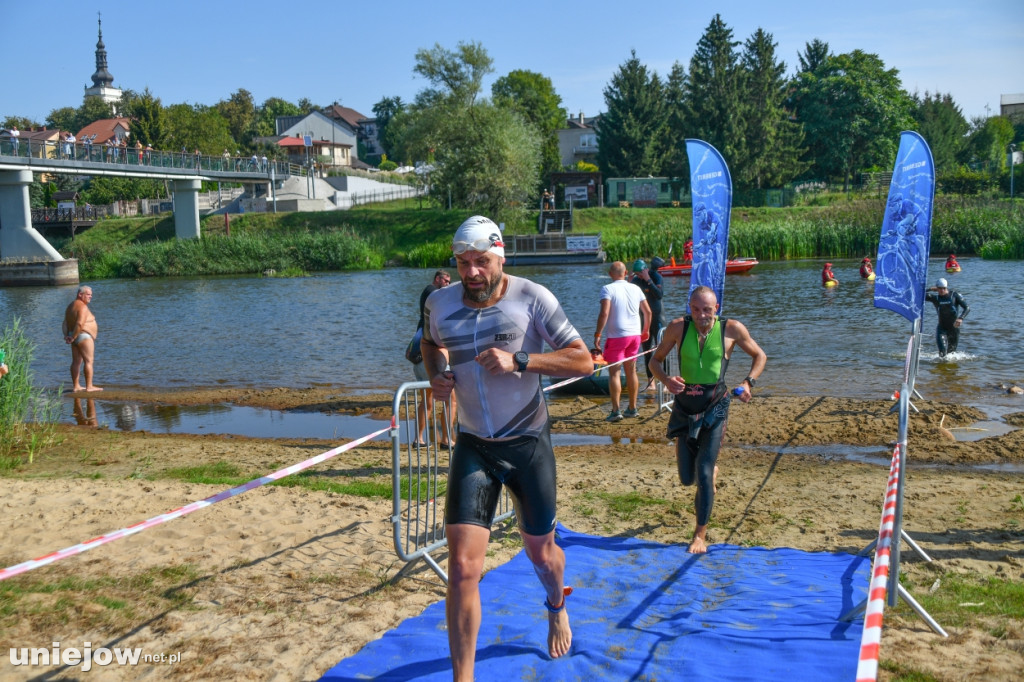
[(186, 172)]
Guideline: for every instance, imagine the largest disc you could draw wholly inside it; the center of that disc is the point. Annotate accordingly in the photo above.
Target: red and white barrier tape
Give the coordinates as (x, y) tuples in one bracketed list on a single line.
[(187, 509), (871, 637), (569, 381)]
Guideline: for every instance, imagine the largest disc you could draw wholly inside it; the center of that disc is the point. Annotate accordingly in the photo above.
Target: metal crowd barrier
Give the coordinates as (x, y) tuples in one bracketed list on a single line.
[(419, 477), (671, 367)]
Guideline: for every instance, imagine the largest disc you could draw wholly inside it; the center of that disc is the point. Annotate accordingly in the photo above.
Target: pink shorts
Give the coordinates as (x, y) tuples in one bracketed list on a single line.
[(621, 348)]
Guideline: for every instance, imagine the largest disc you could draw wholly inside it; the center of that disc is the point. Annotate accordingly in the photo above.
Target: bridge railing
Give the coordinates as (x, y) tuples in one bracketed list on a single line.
[(141, 156), (67, 215)]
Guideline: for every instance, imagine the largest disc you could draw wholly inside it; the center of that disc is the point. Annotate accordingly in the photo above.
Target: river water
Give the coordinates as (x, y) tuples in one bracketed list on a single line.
[(350, 329)]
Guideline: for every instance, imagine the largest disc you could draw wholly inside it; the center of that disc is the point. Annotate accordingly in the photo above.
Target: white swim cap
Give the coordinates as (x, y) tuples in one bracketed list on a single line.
[(478, 234), (942, 284)]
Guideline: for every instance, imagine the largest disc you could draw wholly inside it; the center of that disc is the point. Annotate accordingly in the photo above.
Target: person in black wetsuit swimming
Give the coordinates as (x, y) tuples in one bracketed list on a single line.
[(946, 302)]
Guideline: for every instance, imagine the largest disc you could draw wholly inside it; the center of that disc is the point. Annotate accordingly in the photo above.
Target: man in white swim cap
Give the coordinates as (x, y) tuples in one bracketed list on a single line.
[(494, 328), (946, 302)]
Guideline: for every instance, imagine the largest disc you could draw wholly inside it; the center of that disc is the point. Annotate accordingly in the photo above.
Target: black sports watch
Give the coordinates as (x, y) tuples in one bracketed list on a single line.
[(522, 360), (750, 380)]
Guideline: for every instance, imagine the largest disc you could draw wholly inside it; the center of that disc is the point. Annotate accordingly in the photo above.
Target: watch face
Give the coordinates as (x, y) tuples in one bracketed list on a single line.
[(522, 359)]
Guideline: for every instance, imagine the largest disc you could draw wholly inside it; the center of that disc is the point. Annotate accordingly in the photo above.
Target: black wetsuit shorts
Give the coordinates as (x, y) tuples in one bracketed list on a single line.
[(526, 465)]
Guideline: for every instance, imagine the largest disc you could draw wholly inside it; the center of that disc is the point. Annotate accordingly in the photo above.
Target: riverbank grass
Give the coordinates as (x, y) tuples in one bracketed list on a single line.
[(27, 414)]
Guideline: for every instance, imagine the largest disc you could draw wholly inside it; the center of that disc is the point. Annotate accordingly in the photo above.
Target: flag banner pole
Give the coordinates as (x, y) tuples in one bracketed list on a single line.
[(711, 189)]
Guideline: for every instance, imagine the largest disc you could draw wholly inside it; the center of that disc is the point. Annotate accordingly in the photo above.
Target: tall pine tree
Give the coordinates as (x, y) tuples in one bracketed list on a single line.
[(715, 109), (943, 126), (772, 142), (630, 137), (677, 125)]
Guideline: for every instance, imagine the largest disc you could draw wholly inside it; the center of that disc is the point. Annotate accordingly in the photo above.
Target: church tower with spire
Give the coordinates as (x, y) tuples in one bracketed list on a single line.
[(102, 80)]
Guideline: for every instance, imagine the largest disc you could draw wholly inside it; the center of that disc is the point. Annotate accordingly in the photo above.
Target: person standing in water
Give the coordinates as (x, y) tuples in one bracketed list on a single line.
[(827, 277), (947, 302), (865, 268), (80, 331)]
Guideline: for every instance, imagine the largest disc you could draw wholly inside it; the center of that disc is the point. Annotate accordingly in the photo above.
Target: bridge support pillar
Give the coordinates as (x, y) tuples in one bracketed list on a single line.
[(186, 208), (18, 239)]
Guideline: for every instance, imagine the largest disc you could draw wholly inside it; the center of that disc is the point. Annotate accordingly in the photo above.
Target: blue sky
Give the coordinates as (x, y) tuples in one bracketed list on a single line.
[(357, 53)]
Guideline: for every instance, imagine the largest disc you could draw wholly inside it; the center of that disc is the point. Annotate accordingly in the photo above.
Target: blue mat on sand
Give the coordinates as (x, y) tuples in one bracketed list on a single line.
[(647, 611)]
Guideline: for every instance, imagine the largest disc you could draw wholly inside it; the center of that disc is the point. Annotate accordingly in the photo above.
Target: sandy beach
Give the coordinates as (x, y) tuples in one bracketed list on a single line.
[(281, 583)]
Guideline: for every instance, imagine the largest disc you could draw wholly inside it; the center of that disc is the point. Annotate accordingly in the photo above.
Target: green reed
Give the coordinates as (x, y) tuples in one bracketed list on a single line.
[(246, 253), (27, 414), (370, 238), (845, 230)]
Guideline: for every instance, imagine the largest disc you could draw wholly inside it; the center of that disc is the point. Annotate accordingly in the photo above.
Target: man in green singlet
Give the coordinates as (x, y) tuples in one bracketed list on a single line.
[(705, 343)]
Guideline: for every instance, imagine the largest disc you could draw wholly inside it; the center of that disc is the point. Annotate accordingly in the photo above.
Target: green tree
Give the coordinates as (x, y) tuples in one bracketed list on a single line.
[(716, 111), (147, 117), (814, 55), (239, 111), (943, 126), (1017, 120), (385, 111), (487, 158), (454, 75), (772, 142), (677, 124), (533, 97), (852, 109), (62, 119), (197, 127), (93, 109), (264, 125), (987, 143), (18, 122), (107, 189), (630, 138)]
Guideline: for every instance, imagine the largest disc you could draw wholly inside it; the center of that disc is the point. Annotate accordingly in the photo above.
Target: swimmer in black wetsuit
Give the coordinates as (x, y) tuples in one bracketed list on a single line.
[(946, 302)]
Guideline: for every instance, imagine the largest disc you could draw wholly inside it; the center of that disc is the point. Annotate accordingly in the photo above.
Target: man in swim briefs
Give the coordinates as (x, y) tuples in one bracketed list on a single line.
[(80, 330), (494, 327), (700, 410)]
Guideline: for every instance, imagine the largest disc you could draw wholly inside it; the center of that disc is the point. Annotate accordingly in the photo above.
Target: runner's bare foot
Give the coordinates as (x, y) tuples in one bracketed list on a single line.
[(697, 546), (559, 634), (92, 388)]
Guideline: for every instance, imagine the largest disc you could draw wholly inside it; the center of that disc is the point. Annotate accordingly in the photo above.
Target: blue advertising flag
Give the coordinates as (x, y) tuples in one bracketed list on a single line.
[(711, 189), (901, 268)]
